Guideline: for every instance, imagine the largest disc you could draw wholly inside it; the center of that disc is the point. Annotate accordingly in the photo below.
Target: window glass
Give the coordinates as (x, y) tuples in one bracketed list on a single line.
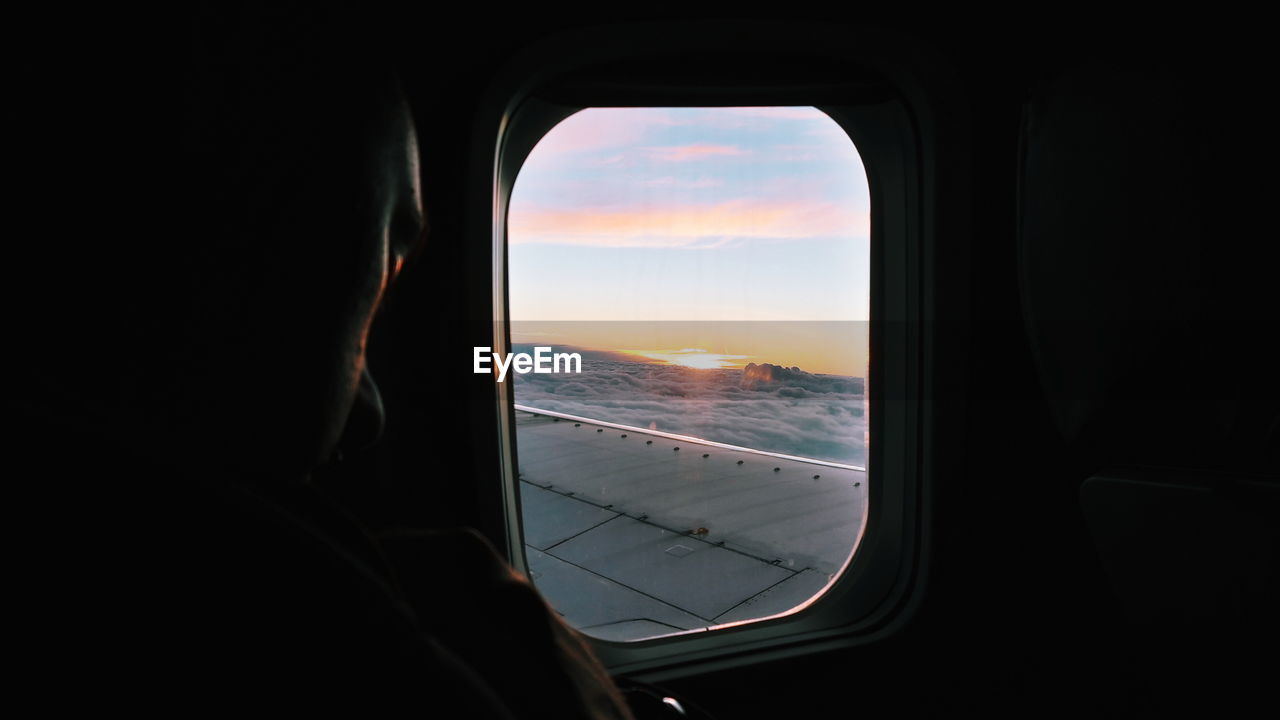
[(703, 461)]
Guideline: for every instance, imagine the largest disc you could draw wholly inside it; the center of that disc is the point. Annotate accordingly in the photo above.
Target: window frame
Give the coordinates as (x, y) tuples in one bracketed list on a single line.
[(881, 586)]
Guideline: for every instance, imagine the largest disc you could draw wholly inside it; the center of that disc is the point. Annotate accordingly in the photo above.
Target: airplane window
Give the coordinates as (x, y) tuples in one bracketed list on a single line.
[(688, 294)]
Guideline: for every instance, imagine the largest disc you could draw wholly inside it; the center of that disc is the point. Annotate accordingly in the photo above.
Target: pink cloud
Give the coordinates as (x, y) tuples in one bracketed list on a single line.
[(685, 226), (683, 153), (671, 182)]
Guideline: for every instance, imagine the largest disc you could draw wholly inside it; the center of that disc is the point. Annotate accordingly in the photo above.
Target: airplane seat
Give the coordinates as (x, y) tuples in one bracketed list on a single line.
[(1146, 306), (1191, 558)]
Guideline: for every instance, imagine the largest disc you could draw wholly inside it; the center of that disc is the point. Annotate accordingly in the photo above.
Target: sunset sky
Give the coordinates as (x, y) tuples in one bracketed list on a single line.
[(692, 214)]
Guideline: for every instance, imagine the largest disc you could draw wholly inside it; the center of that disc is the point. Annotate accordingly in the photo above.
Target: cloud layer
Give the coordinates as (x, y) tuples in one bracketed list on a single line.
[(764, 407), (682, 225)]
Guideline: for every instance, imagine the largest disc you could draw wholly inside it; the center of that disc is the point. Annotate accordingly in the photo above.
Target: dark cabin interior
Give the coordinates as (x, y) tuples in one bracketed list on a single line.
[(1101, 537)]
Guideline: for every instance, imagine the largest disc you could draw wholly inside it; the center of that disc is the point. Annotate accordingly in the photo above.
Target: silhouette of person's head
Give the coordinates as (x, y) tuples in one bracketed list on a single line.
[(224, 316), (310, 200)]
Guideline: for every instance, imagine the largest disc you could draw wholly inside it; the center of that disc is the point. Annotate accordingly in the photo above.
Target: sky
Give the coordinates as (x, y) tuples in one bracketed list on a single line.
[(690, 214)]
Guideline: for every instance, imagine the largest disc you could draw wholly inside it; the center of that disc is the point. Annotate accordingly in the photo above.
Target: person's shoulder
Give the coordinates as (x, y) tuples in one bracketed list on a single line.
[(143, 584)]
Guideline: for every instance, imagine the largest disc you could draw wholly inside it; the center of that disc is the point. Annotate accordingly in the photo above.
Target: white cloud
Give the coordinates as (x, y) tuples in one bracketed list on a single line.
[(783, 410)]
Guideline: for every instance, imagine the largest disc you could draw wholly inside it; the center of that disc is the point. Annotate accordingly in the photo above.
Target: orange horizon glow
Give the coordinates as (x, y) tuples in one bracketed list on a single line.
[(829, 348), (695, 358)]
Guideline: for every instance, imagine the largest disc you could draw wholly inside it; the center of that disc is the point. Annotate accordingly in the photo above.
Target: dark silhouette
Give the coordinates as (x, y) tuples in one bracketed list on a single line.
[(177, 400)]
